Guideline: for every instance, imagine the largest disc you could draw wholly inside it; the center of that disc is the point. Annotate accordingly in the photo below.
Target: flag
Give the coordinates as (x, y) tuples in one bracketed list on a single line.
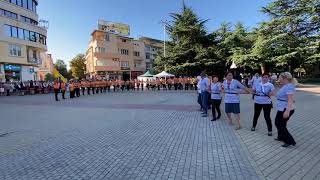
[(56, 74)]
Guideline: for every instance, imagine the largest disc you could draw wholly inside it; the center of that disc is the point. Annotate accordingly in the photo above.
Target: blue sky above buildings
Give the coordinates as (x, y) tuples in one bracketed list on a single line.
[(72, 21)]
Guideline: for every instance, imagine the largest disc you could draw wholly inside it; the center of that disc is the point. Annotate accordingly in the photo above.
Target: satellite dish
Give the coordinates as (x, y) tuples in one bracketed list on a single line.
[(44, 23)]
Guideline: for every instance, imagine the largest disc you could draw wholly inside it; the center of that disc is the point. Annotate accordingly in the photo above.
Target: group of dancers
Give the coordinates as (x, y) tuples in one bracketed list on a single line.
[(86, 86), (262, 92)]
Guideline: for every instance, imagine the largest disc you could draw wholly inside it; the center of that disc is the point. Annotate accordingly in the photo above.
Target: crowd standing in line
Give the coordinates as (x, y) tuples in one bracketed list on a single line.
[(262, 89)]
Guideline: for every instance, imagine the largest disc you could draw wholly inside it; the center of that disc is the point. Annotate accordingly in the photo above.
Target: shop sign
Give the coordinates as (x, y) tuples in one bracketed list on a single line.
[(12, 67), (125, 68)]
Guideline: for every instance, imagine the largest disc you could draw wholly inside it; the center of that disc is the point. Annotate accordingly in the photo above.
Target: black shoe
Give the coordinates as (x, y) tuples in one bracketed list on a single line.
[(253, 129), (57, 100), (269, 133), (286, 145), (213, 119), (218, 117)]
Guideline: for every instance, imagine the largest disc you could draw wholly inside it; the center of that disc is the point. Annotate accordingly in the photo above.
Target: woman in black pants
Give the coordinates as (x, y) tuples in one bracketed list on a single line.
[(215, 97), (285, 108), (262, 97)]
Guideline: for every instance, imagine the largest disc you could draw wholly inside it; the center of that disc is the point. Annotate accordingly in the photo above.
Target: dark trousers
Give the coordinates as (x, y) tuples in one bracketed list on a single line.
[(97, 90), (77, 91), (71, 94), (158, 87), (175, 86), (281, 124), (93, 90), (199, 100), (8, 92), (169, 86), (205, 101), (56, 92), (216, 107), (186, 87), (266, 112), (83, 89), (88, 90), (63, 94)]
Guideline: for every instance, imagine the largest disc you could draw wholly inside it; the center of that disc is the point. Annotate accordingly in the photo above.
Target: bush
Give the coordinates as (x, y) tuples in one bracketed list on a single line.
[(309, 80)]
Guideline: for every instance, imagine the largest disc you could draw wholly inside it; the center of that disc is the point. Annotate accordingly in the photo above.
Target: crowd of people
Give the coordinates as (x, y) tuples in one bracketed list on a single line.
[(91, 86), (211, 92), (262, 89), (25, 87)]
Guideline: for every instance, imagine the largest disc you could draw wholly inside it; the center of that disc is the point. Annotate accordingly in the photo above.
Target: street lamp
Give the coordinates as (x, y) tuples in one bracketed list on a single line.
[(164, 36)]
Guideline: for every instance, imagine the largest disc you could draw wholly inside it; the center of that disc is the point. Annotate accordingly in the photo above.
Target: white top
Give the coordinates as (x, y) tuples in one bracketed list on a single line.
[(216, 91), (262, 93), (231, 91)]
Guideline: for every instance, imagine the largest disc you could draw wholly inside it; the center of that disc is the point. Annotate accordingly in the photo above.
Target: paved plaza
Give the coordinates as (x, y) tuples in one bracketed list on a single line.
[(149, 135)]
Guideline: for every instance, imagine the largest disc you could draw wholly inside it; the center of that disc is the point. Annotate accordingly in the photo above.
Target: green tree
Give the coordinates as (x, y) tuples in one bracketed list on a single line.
[(61, 67), (190, 50), (78, 66), (291, 33), (49, 77)]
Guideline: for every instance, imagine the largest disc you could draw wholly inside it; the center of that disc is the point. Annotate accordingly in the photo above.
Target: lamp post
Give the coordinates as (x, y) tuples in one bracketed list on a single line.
[(164, 37)]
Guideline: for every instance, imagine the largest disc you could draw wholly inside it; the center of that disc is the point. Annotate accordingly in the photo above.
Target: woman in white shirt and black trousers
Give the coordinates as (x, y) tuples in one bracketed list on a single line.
[(215, 89), (262, 97)]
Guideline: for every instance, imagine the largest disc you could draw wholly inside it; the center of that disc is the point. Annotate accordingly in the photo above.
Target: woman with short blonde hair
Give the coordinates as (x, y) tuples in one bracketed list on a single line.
[(285, 108)]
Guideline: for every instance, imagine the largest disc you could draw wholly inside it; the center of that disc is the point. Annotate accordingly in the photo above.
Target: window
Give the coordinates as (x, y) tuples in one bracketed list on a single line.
[(125, 64), (100, 49), (32, 36), (34, 6), (14, 32), (20, 33), (28, 20), (25, 4), (137, 64), (14, 50), (30, 4), (26, 35), (14, 1), (107, 38), (42, 39), (37, 37), (34, 54), (19, 3), (147, 55), (9, 14), (1, 12), (7, 30), (125, 51), (147, 48), (123, 40), (136, 53)]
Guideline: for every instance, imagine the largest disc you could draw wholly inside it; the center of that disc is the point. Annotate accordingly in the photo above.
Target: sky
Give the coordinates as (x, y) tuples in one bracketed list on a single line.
[(71, 22)]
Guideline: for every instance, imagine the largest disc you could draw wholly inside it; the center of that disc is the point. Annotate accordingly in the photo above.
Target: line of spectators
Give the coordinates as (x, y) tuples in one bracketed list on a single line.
[(25, 88)]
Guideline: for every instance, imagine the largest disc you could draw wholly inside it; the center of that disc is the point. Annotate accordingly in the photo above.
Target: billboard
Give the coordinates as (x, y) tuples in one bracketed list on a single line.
[(118, 28)]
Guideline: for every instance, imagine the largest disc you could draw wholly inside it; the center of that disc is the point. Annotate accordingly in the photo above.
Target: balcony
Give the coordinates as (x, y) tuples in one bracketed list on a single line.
[(34, 61)]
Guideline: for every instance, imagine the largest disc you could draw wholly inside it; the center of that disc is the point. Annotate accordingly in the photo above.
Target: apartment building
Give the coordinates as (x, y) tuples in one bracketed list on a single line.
[(152, 48), (22, 40), (114, 56)]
